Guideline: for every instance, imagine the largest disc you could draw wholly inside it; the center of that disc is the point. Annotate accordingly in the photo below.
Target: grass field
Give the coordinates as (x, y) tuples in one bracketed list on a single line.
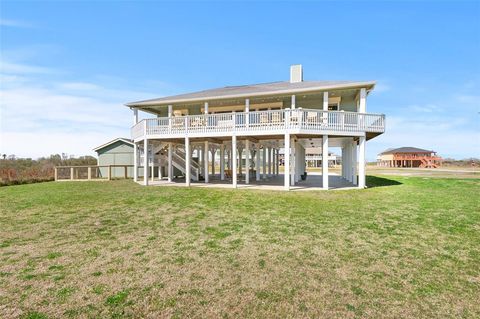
[(407, 248)]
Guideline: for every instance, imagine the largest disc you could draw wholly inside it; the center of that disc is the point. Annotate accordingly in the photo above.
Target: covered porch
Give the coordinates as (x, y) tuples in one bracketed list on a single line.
[(273, 162)]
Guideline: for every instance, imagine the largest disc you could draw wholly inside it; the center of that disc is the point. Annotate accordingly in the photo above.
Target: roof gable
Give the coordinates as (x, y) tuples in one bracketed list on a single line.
[(120, 139), (406, 149)]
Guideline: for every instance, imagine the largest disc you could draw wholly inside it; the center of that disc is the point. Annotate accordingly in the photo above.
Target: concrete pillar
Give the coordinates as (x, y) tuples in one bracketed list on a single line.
[(361, 163), (257, 163), (292, 160), (286, 173), (170, 166), (354, 163), (264, 160), (213, 151), (269, 155), (188, 158), (205, 158), (247, 162), (277, 161), (234, 161), (135, 162), (325, 162), (145, 162), (222, 162)]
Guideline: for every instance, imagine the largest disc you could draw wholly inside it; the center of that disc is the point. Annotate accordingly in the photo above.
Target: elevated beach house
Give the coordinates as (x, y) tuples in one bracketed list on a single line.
[(409, 157), (234, 134)]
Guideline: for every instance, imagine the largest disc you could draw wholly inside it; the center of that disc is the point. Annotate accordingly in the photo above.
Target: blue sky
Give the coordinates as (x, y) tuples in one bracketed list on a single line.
[(67, 68)]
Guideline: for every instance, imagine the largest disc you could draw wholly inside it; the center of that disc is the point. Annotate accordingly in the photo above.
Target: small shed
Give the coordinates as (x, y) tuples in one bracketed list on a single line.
[(116, 152)]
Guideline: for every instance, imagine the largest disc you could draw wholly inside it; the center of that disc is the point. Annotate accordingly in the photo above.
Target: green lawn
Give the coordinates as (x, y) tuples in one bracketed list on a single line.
[(407, 248)]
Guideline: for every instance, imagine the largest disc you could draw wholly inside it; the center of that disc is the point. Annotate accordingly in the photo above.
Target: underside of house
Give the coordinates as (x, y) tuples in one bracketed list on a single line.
[(233, 135)]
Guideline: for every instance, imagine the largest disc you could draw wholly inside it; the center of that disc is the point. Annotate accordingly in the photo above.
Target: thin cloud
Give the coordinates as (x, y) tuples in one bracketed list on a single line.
[(14, 23)]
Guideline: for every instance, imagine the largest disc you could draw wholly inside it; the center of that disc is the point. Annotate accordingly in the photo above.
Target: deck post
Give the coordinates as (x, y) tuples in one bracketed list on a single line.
[(187, 161), (145, 162), (234, 161), (247, 110), (170, 111), (152, 160), (286, 170), (361, 163), (135, 162), (222, 162), (135, 116), (71, 173), (247, 162), (56, 173), (293, 156), (170, 168), (293, 102), (213, 151), (264, 162), (205, 156), (325, 162), (354, 163), (89, 172), (257, 163), (277, 156), (269, 152)]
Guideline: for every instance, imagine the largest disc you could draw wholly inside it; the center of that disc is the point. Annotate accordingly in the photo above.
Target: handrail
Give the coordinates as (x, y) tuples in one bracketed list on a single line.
[(285, 119)]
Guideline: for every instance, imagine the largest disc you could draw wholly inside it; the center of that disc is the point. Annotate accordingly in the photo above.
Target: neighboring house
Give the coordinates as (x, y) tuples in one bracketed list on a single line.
[(254, 122), (313, 157), (116, 152), (409, 157)]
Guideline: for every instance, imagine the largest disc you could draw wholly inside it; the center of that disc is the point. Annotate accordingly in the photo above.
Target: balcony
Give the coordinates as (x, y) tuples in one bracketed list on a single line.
[(296, 121)]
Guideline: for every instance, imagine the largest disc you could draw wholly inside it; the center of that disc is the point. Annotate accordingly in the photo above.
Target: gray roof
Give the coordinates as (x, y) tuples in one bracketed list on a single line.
[(406, 149), (120, 139), (253, 90)]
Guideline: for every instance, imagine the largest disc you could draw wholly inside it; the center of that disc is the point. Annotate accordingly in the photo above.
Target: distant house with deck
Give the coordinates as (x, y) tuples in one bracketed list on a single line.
[(409, 157)]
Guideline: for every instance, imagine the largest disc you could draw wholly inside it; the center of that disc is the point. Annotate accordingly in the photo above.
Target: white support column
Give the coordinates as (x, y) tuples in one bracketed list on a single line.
[(206, 108), (269, 160), (343, 157), (292, 160), (234, 161), (325, 101), (239, 163), (152, 161), (188, 157), (362, 106), (135, 162), (325, 162), (293, 102), (278, 161), (361, 163), (247, 110), (170, 114), (135, 116), (170, 166), (145, 162), (222, 162), (286, 169), (247, 162), (354, 163), (205, 158), (257, 163), (264, 160), (213, 151)]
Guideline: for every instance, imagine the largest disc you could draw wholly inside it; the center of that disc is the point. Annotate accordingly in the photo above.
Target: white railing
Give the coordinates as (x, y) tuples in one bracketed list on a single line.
[(274, 120)]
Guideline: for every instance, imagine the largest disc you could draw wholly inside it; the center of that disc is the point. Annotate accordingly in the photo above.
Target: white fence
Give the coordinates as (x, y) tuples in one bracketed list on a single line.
[(257, 121)]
